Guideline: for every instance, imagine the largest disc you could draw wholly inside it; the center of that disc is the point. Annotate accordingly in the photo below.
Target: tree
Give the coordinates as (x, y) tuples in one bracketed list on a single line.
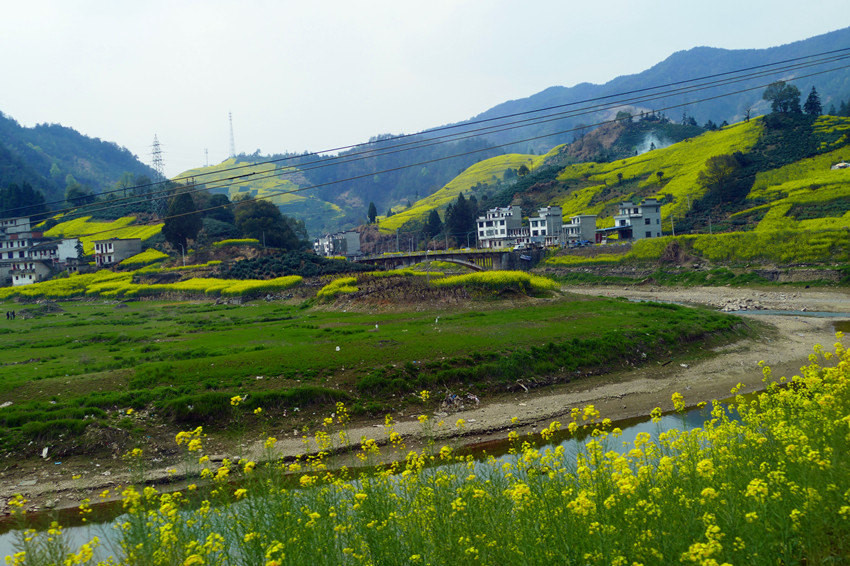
[(460, 217), (434, 225), (182, 221), (719, 175), (660, 175), (812, 105), (373, 213), (784, 98), (262, 220), (523, 170), (21, 201)]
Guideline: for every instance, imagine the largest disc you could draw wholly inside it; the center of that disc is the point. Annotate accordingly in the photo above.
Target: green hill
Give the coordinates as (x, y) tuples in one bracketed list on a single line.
[(779, 179)]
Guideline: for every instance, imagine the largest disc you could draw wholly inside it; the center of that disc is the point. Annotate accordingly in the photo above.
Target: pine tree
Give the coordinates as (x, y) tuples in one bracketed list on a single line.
[(812, 105), (373, 213)]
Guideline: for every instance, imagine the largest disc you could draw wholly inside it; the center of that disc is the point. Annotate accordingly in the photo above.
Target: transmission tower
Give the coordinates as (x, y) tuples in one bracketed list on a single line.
[(232, 143), (206, 157), (159, 205), (156, 154)]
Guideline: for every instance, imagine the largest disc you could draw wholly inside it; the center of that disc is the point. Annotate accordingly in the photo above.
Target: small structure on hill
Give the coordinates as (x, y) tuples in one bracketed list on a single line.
[(114, 250)]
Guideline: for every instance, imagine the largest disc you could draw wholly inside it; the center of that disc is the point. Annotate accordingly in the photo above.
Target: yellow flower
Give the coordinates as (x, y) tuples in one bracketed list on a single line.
[(193, 560), (130, 411), (460, 423), (270, 442), (424, 395), (258, 410), (235, 400), (678, 402), (240, 493)]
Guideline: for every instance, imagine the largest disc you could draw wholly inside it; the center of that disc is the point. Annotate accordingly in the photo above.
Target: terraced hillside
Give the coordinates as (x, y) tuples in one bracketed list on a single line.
[(769, 174)]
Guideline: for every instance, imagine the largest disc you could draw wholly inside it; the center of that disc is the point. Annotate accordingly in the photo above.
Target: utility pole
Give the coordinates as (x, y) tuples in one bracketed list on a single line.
[(709, 224), (396, 240), (673, 224), (206, 157)]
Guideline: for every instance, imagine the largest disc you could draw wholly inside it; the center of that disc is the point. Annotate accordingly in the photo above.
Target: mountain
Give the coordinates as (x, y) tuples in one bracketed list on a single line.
[(45, 155), (683, 65)]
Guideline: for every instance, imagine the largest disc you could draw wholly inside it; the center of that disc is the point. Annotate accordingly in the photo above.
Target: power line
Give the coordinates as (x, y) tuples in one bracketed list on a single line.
[(426, 162), (798, 63), (324, 162)]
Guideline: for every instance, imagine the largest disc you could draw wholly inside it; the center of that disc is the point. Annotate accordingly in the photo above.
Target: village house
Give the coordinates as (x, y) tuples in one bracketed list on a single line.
[(114, 250), (26, 256), (637, 221), (580, 228), (339, 244), (500, 228)]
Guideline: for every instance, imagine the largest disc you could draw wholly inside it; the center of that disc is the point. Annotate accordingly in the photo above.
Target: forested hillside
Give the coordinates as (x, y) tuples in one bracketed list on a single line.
[(52, 159)]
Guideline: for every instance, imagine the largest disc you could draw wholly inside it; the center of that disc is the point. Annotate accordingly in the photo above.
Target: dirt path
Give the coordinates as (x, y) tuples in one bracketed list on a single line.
[(617, 396)]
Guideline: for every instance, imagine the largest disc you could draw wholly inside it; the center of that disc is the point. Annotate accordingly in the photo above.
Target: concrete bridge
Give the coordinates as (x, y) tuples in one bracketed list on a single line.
[(477, 260)]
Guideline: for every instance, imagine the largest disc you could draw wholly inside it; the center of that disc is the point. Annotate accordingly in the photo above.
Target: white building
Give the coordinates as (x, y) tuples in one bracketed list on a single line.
[(340, 244), (14, 225), (545, 228), (580, 228), (113, 250), (500, 227), (636, 222)]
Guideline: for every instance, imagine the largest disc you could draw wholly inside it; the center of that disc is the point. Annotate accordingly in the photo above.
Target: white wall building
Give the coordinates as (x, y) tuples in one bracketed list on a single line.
[(545, 228), (636, 222), (107, 252), (340, 244), (580, 228), (499, 227)]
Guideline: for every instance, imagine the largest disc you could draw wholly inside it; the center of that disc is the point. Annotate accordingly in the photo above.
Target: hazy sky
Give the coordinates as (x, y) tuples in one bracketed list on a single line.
[(315, 75)]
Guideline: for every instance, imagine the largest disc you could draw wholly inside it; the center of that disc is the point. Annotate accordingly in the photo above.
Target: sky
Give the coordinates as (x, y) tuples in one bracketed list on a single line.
[(315, 75)]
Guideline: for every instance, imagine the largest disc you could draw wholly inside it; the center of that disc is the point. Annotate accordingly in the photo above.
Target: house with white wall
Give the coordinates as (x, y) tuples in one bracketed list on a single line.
[(114, 250), (638, 221), (580, 228), (339, 244), (500, 227), (545, 228)]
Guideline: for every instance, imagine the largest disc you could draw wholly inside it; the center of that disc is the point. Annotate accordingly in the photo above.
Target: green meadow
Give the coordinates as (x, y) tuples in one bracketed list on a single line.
[(72, 365)]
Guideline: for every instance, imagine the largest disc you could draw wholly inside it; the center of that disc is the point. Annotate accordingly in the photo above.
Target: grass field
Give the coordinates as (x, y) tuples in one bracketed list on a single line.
[(80, 363)]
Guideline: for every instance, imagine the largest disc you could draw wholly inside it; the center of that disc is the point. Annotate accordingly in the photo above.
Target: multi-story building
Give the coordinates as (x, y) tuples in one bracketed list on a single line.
[(580, 228), (340, 244), (27, 256), (500, 227), (636, 222), (113, 250), (545, 228)]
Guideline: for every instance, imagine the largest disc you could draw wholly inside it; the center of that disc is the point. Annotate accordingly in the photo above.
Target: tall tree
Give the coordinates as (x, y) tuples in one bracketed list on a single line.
[(21, 201), (812, 106), (262, 220), (434, 225), (182, 221), (373, 212), (784, 98)]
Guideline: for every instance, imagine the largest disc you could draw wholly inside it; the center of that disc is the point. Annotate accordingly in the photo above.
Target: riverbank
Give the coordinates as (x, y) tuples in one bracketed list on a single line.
[(707, 375)]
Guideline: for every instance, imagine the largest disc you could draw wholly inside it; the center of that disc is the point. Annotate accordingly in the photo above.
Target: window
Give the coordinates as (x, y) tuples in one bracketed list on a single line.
[(649, 234), (658, 221), (646, 221)]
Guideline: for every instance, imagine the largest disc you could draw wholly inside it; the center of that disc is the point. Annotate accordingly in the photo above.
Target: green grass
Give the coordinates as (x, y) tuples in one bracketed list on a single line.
[(149, 354)]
